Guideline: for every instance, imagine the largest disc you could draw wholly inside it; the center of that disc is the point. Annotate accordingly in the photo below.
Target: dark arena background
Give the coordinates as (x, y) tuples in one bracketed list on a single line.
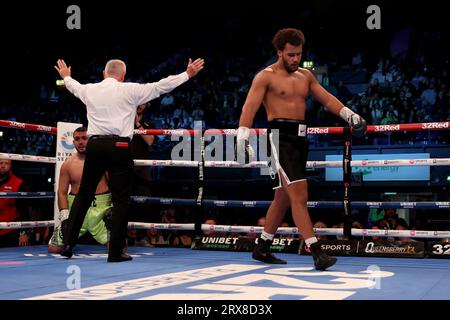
[(195, 215)]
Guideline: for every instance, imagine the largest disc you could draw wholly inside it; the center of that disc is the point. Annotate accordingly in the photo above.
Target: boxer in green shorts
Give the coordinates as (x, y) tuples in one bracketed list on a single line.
[(70, 176)]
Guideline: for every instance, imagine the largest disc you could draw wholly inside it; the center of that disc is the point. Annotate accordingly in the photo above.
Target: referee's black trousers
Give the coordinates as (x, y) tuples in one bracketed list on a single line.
[(111, 154)]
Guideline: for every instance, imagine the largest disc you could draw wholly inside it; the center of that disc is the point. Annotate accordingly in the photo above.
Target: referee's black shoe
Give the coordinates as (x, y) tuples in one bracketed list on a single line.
[(120, 258), (67, 251)]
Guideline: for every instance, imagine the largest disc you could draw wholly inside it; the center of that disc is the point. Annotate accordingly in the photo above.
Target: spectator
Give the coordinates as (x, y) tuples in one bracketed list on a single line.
[(340, 225), (429, 95), (357, 225), (261, 222), (376, 238), (376, 113), (343, 93), (404, 226), (284, 224), (366, 114), (320, 224), (417, 80), (357, 60), (198, 114), (211, 221), (167, 100), (155, 238), (181, 239), (389, 118), (10, 208)]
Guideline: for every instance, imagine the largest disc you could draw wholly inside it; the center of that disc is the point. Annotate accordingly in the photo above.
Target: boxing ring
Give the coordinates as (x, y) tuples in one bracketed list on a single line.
[(186, 274)]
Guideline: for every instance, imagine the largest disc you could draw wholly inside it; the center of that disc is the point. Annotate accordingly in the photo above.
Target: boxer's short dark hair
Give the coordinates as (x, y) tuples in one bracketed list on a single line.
[(288, 35), (80, 129)]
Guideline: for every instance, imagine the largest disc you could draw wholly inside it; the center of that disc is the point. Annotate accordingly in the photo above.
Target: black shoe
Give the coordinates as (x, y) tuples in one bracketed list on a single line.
[(67, 252), (261, 252), (321, 260), (122, 257)]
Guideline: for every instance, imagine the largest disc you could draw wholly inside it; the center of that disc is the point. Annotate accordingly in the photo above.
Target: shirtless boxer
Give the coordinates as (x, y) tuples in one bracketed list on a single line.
[(283, 88), (70, 175)]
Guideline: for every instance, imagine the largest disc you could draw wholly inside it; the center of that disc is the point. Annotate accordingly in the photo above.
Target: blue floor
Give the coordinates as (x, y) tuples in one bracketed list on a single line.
[(185, 274)]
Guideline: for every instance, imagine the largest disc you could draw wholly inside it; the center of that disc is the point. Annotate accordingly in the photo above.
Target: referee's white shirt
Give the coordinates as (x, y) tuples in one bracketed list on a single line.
[(111, 105)]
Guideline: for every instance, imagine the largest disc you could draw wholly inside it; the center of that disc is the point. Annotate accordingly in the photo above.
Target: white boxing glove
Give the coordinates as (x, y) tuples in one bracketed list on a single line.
[(63, 214), (358, 124), (244, 151)]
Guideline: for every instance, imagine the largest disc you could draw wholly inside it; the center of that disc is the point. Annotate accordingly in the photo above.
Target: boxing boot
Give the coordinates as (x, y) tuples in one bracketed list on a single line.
[(321, 260), (261, 252)]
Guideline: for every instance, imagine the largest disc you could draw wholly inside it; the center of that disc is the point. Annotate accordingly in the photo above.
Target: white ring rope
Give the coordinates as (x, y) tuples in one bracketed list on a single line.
[(255, 164), (249, 229)]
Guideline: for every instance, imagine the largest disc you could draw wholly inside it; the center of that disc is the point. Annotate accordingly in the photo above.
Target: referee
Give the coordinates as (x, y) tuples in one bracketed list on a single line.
[(111, 109)]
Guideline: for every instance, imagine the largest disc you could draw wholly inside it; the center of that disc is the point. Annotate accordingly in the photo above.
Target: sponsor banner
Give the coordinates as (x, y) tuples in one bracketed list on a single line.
[(441, 161), (438, 249), (379, 248), (435, 125), (391, 172), (374, 204), (243, 243), (220, 203), (397, 249), (318, 130), (249, 204), (387, 127), (335, 247), (442, 205)]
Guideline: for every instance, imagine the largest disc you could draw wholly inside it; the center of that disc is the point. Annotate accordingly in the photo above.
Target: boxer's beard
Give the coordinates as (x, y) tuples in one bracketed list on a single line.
[(290, 68), (80, 152)]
